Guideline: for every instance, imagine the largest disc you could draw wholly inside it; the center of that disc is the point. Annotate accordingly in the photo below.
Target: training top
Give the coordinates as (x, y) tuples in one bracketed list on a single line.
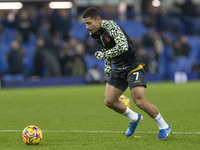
[(117, 46)]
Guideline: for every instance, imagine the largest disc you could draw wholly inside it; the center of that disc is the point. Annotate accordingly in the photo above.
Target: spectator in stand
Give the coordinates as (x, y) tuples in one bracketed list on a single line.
[(148, 13), (38, 60), (79, 67), (188, 12), (61, 23), (147, 40), (66, 60), (72, 58), (181, 47), (158, 43), (45, 61), (24, 24), (94, 75), (152, 63), (198, 10), (188, 8), (15, 58), (43, 29), (54, 46)]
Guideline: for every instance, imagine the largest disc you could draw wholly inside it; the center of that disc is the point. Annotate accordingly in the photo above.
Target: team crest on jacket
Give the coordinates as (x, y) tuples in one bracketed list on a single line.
[(107, 38)]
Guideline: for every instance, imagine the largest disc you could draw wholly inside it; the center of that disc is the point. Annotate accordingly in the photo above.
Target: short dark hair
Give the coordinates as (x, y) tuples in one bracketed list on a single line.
[(91, 12)]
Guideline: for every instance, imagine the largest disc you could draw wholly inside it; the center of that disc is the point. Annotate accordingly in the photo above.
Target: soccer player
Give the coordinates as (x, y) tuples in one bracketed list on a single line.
[(117, 47)]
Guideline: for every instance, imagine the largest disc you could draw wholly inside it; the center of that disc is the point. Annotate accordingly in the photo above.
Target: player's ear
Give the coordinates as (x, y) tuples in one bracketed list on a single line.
[(99, 19)]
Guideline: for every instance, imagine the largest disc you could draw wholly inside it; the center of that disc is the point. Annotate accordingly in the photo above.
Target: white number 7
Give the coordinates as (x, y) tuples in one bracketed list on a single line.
[(137, 75)]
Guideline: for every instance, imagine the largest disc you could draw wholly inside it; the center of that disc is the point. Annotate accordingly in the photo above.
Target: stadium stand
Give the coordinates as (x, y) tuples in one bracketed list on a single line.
[(167, 62)]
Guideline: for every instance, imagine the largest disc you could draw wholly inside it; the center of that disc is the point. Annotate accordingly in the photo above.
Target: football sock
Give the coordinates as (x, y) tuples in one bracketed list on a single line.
[(131, 115), (161, 122)]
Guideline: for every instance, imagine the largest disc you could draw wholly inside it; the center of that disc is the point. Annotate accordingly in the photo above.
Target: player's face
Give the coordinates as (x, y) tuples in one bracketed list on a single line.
[(92, 25)]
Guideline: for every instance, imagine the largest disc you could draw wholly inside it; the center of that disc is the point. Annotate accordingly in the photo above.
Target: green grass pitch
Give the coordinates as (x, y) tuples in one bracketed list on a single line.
[(75, 118)]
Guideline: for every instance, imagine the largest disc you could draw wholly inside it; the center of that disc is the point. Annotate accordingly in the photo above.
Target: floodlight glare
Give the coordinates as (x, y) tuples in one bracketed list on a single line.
[(11, 5), (60, 5), (156, 3)]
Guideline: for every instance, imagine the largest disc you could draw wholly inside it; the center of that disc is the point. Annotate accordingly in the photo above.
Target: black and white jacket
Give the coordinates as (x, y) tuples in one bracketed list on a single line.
[(117, 46)]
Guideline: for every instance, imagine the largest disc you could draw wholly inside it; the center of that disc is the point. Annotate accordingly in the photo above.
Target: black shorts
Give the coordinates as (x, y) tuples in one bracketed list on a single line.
[(122, 80)]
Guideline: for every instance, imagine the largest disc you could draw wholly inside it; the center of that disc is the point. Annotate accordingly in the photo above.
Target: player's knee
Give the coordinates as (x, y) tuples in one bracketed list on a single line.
[(108, 104), (139, 102)]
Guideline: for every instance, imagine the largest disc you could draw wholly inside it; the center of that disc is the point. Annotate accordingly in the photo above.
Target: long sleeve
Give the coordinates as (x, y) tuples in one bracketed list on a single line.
[(107, 63), (108, 68), (120, 39)]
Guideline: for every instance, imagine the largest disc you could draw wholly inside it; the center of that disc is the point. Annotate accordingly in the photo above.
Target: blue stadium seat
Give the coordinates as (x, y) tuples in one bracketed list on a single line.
[(13, 78), (181, 64), (91, 62), (3, 63), (133, 28), (164, 61), (78, 31), (8, 35), (30, 47), (194, 43)]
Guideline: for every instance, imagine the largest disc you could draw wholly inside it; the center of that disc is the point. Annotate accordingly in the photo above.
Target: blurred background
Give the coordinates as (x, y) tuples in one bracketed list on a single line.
[(45, 43)]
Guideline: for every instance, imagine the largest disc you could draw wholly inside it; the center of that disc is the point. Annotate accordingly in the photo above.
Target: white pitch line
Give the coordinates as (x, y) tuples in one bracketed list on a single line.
[(79, 131)]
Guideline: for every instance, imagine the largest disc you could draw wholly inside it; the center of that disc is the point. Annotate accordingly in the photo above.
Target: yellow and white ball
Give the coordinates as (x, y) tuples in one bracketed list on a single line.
[(125, 100), (32, 135)]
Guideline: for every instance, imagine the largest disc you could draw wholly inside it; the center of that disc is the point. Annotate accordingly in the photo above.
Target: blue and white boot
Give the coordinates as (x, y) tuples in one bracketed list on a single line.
[(133, 125), (164, 133)]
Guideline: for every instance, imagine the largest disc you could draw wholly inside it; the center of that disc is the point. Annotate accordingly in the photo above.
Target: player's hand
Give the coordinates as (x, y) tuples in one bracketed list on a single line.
[(108, 71), (99, 55)]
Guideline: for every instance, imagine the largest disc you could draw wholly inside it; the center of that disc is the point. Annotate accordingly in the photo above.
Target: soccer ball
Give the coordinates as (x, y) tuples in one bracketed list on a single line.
[(32, 135), (125, 100)]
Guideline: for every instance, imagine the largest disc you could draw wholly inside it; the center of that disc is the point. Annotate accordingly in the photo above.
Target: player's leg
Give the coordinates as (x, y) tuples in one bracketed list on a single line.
[(139, 97), (137, 84), (114, 89), (112, 95), (112, 101)]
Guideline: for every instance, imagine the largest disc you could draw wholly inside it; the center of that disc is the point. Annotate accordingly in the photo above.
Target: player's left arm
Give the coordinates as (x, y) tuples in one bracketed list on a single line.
[(120, 39), (108, 69)]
